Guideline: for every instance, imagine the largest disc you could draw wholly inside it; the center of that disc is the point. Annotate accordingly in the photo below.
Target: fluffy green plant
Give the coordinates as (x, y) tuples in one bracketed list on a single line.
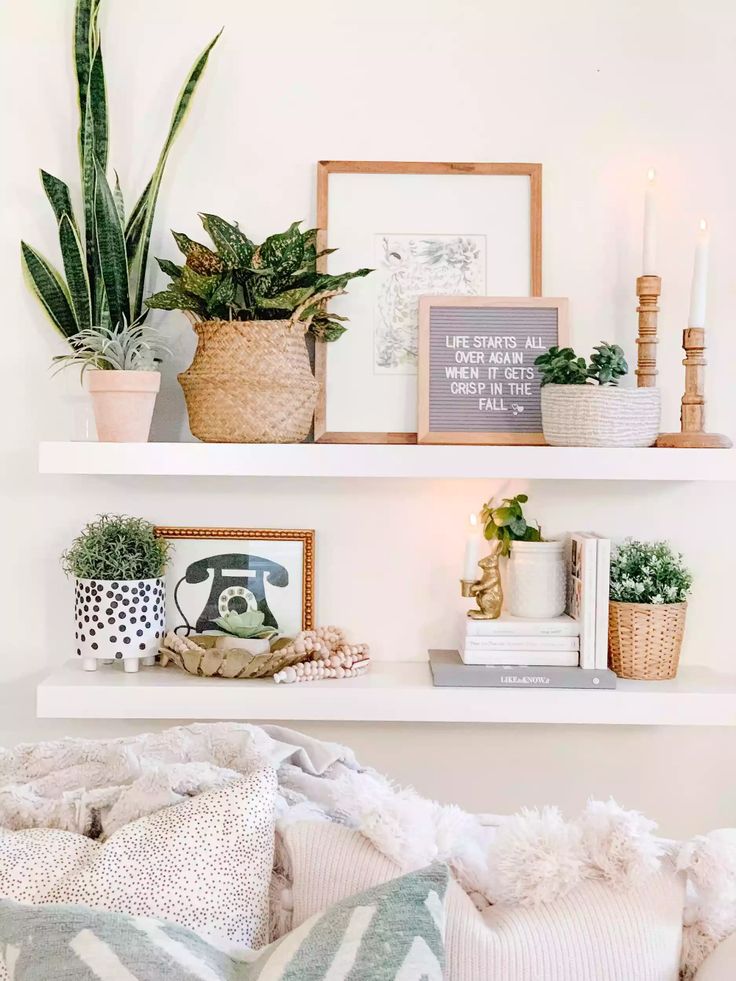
[(116, 547), (562, 366), (239, 280), (648, 572), (245, 625), (127, 347), (105, 255), (506, 523)]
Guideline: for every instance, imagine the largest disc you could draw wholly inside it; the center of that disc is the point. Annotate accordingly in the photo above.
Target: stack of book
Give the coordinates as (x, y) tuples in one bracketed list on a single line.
[(569, 651)]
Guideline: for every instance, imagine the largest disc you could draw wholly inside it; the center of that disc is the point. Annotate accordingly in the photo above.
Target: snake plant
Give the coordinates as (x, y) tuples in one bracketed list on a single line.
[(105, 255)]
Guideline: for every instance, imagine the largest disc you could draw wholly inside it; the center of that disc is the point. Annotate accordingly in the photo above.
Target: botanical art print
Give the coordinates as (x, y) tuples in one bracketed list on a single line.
[(410, 266)]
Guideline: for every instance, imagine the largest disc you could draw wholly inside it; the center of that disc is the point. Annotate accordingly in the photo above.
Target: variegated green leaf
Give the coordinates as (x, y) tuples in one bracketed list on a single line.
[(85, 37), (170, 268), (50, 289), (58, 194), (283, 252), (223, 294), (174, 299), (288, 300), (194, 282), (232, 245), (75, 270), (111, 250), (119, 200), (138, 230)]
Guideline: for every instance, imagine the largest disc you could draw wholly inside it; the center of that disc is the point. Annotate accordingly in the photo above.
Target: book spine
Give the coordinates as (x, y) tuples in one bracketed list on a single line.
[(568, 659), (583, 594), (502, 628), (516, 643), (603, 586)]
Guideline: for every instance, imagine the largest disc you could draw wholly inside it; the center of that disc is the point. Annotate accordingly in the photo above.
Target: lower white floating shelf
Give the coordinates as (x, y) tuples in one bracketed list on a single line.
[(393, 691)]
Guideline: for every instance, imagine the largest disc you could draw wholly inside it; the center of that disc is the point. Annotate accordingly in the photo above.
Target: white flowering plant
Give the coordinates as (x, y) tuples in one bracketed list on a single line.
[(648, 572)]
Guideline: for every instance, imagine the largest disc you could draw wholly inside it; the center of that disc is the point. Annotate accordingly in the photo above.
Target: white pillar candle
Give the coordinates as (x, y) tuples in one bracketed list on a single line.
[(649, 247), (699, 290), (472, 550)]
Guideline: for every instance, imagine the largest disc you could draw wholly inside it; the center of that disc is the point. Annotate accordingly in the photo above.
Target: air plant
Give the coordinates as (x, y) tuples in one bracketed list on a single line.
[(246, 625), (127, 347)]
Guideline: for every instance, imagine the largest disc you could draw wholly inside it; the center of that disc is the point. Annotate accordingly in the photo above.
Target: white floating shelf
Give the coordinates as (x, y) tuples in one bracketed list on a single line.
[(390, 692), (367, 460)]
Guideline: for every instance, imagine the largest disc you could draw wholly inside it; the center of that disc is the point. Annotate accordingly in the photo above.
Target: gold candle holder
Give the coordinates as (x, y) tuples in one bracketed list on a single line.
[(648, 289), (692, 414), (487, 590)]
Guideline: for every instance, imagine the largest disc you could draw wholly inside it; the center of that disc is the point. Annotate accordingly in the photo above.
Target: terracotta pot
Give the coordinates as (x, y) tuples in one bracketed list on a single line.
[(123, 402)]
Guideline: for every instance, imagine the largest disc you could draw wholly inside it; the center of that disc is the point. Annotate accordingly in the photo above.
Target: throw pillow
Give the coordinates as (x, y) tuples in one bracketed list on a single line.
[(393, 932), (204, 864)]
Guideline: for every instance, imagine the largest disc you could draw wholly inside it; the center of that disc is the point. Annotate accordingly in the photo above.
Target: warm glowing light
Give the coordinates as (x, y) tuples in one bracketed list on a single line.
[(703, 225), (473, 520), (651, 174)]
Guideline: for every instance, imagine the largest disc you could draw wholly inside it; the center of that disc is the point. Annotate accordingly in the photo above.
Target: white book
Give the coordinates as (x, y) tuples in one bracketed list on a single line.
[(562, 659), (581, 593), (518, 643), (508, 626), (603, 589)]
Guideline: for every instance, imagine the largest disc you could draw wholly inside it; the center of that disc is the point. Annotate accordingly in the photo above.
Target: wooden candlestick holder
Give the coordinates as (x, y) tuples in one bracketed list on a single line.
[(692, 413), (648, 289)]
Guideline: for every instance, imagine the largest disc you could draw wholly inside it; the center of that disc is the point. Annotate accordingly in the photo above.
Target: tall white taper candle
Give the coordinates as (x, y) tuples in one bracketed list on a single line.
[(699, 290), (472, 550), (649, 246)]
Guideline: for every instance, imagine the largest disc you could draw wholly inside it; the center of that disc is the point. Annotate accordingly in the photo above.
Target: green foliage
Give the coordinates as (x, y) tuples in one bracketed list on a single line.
[(648, 572), (116, 547), (127, 347), (240, 280), (506, 523), (561, 366), (104, 259), (245, 625)]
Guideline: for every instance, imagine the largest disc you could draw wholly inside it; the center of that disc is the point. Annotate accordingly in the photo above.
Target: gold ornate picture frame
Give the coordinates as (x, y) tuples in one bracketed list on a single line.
[(213, 571)]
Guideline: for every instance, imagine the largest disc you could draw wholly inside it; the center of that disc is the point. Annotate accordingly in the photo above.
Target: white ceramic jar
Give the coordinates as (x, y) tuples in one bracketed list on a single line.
[(537, 580)]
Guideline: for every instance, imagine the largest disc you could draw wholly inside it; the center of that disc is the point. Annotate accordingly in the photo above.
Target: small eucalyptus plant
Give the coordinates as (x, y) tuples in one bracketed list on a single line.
[(126, 347), (246, 625), (648, 572), (239, 280), (506, 523), (562, 366), (116, 547)]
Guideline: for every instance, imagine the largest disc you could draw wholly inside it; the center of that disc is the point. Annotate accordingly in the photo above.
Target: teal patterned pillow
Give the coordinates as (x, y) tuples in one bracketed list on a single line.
[(394, 932)]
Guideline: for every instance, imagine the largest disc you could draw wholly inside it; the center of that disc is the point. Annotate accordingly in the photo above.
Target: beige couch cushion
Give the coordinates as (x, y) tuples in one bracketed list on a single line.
[(592, 934)]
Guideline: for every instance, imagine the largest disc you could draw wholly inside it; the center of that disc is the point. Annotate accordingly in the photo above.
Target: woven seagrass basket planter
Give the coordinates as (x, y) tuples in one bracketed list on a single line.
[(645, 639), (600, 415), (250, 382)]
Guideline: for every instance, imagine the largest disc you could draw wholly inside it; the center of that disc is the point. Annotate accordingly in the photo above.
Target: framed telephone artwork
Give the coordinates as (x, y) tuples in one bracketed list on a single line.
[(213, 571)]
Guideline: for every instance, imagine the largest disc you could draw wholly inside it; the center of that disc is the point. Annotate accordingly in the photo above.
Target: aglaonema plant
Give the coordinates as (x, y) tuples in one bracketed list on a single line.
[(105, 255)]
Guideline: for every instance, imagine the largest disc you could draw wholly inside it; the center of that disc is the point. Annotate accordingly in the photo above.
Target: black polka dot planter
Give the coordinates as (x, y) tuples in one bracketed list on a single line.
[(119, 620)]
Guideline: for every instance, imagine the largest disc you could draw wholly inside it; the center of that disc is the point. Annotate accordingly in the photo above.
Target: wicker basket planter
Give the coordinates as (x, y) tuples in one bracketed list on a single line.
[(644, 639), (595, 415), (250, 382)]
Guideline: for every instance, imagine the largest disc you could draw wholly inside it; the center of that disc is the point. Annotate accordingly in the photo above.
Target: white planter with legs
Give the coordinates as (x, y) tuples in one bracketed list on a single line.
[(118, 620), (536, 580)]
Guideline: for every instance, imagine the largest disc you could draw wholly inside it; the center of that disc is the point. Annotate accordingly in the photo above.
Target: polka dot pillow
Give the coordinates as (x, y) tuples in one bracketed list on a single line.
[(204, 864)]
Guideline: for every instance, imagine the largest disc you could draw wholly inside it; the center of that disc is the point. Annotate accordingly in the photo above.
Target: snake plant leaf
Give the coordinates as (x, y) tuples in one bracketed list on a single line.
[(75, 270), (59, 197), (138, 230), (50, 289), (85, 38), (288, 300), (111, 250), (119, 199), (232, 245)]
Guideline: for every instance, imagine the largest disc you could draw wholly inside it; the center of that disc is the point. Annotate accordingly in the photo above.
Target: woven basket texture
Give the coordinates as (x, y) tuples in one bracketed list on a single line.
[(250, 382), (594, 415), (644, 639)]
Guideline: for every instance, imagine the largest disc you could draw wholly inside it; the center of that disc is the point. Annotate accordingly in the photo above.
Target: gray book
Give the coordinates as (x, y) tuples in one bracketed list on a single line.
[(449, 671)]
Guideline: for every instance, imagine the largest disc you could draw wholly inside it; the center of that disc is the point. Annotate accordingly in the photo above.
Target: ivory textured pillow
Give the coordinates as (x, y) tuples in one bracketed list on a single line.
[(391, 933), (204, 864)]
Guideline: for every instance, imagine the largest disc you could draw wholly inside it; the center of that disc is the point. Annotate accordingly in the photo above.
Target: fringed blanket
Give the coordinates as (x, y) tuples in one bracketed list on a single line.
[(94, 787)]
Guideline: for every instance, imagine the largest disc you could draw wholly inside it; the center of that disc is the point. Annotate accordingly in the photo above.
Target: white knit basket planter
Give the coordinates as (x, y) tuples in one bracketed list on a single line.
[(595, 415), (536, 580), (118, 620)]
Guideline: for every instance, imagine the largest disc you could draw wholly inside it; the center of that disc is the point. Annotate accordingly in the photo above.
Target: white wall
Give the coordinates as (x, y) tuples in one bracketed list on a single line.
[(597, 93)]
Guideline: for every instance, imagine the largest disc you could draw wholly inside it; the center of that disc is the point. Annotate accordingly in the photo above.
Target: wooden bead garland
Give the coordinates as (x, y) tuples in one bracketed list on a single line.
[(326, 655)]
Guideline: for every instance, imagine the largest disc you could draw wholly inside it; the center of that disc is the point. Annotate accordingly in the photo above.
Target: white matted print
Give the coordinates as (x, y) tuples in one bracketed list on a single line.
[(213, 571), (474, 227), (410, 266)]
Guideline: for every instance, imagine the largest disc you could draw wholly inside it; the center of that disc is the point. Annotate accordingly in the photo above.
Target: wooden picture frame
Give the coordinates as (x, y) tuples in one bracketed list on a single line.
[(270, 567), (518, 322), (326, 168)]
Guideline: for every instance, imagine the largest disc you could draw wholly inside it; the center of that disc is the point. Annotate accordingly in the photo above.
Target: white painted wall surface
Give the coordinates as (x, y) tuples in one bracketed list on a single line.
[(597, 93)]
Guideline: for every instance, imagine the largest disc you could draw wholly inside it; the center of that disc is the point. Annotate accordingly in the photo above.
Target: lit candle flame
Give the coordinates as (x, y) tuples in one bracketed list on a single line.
[(651, 174), (703, 225), (473, 520)]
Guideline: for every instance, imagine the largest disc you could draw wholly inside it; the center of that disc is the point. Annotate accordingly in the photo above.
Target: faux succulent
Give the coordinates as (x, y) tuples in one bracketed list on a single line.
[(127, 347), (648, 572), (506, 523), (562, 366), (245, 625), (239, 280), (105, 255), (116, 547)]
